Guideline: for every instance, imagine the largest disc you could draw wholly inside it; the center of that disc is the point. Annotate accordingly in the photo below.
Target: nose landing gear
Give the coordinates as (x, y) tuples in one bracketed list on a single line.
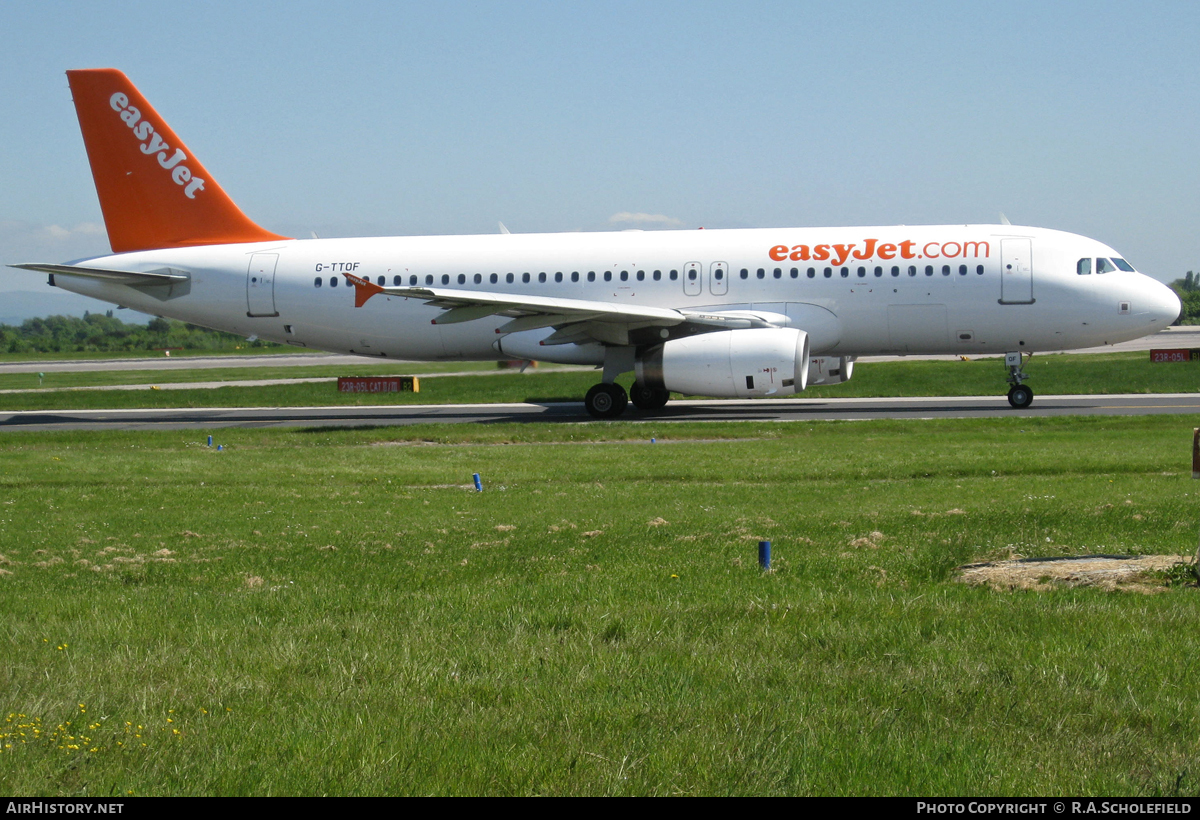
[(1019, 395)]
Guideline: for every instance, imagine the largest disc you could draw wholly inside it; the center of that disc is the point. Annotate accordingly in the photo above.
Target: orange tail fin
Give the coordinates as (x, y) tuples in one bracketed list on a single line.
[(154, 193)]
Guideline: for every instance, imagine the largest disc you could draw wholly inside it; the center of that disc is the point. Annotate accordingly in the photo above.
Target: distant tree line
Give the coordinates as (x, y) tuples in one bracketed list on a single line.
[(104, 332), (1188, 290)]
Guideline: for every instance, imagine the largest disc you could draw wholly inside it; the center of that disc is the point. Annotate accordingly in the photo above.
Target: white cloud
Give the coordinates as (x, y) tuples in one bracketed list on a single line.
[(641, 218), (32, 242), (82, 229)]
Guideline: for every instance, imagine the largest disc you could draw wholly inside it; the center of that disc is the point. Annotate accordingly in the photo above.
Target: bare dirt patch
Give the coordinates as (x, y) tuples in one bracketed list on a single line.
[(1132, 573)]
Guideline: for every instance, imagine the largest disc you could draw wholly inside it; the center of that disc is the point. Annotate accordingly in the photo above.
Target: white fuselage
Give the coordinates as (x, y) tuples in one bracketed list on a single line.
[(966, 289)]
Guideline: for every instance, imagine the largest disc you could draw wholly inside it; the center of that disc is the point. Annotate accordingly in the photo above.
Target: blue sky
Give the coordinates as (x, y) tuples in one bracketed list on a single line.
[(431, 118)]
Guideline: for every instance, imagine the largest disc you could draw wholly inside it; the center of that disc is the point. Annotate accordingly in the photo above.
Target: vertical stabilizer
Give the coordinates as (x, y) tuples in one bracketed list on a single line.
[(153, 191)]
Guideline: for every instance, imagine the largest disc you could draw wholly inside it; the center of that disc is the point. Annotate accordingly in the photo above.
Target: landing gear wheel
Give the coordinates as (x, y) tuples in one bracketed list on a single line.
[(606, 401), (648, 398), (1020, 396)]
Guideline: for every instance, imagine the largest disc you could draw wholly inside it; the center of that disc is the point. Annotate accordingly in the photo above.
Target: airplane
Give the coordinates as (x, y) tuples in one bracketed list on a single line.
[(744, 313)]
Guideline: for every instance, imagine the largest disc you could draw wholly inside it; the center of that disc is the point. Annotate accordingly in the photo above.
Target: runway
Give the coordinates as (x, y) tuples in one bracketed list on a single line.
[(573, 412), (1172, 337)]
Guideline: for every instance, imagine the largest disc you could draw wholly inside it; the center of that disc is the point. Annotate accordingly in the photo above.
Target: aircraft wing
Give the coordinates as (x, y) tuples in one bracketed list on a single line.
[(575, 320), (121, 277)]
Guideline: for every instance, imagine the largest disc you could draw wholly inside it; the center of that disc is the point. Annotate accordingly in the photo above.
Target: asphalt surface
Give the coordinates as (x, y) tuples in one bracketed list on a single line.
[(1174, 337), (573, 412), (569, 412)]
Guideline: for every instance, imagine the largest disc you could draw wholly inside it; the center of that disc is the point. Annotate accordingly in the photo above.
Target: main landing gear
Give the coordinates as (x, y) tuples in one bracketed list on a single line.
[(606, 401), (648, 398), (1019, 395)]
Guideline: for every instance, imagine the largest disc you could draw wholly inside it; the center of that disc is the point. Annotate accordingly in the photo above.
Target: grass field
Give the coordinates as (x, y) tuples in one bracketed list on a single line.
[(104, 378), (1054, 374), (337, 612)]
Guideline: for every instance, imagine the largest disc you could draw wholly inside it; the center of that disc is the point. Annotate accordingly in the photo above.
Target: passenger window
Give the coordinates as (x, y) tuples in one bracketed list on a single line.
[(412, 280), (878, 271), (761, 273), (508, 277), (396, 280), (828, 273), (929, 270), (608, 276), (895, 270), (861, 271), (945, 270), (542, 277), (558, 276), (462, 279), (1083, 267), (525, 278), (912, 270), (493, 278), (624, 276), (380, 281), (845, 272), (591, 276), (1104, 266), (745, 273), (574, 276), (979, 269), (692, 275), (641, 276), (674, 275), (445, 278), (962, 270), (479, 278), (812, 273), (317, 282), (719, 274), (795, 273), (333, 281), (429, 278), (657, 275)]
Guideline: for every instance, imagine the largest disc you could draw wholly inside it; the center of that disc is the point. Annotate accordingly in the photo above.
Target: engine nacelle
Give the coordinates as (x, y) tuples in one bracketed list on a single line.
[(527, 344), (830, 369), (738, 364)]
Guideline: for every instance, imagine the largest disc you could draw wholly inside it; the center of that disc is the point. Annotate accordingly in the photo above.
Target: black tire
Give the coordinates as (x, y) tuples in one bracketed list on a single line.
[(648, 398), (1020, 396), (606, 401)]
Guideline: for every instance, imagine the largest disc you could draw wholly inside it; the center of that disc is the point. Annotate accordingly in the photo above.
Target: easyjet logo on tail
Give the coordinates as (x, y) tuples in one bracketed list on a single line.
[(873, 248), (153, 143)]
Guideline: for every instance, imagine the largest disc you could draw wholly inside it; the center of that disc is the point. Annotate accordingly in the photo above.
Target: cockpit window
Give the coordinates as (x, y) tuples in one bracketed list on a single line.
[(1104, 266), (1123, 265), (1084, 267)]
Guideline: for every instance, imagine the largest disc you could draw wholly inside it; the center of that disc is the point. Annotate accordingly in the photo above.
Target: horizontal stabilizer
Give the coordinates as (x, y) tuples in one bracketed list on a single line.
[(120, 277)]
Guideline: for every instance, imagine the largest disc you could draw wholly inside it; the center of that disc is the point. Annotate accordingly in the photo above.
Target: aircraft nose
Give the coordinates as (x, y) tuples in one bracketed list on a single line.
[(1164, 304)]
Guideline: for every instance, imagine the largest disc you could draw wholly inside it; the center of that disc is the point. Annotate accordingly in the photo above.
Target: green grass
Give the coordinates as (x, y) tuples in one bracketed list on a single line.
[(1054, 374), (83, 355), (337, 612), (367, 367)]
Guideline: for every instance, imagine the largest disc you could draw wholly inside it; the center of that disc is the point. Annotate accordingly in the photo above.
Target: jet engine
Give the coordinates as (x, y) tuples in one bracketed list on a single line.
[(739, 364), (830, 369)]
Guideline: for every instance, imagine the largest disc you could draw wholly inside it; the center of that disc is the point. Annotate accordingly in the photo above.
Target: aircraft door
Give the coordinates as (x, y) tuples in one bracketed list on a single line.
[(1016, 272), (693, 275), (260, 285), (718, 278)]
